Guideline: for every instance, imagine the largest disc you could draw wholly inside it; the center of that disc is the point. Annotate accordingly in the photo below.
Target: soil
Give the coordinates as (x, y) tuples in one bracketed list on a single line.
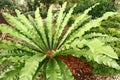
[(80, 70)]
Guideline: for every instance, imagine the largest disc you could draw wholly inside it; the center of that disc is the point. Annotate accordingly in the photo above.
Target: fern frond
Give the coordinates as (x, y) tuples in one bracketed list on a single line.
[(101, 48), (113, 31), (17, 24), (71, 51), (12, 72), (79, 21), (59, 21), (13, 52), (60, 17), (16, 45), (64, 69), (108, 39), (40, 26), (31, 65), (49, 24), (14, 59), (102, 37), (76, 43), (53, 71), (94, 35), (38, 72), (22, 27), (93, 23), (30, 28), (16, 34), (64, 23), (44, 71), (33, 22), (102, 59)]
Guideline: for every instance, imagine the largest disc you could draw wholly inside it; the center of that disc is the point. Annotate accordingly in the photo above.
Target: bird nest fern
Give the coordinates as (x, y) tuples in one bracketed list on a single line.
[(40, 42)]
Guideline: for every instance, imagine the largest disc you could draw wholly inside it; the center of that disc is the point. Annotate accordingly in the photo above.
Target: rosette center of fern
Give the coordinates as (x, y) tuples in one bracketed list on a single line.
[(50, 53)]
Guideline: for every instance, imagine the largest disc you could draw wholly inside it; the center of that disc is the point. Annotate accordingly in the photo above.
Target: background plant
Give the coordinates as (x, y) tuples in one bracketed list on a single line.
[(98, 11), (5, 3), (105, 6), (39, 44)]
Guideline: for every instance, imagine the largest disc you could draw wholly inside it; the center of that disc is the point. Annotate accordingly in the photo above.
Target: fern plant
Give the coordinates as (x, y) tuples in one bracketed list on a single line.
[(39, 43), (111, 27)]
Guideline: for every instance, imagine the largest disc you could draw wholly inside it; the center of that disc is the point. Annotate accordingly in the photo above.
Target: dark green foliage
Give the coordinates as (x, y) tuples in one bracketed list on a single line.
[(105, 6), (81, 6), (4, 3), (98, 11), (33, 5), (8, 6)]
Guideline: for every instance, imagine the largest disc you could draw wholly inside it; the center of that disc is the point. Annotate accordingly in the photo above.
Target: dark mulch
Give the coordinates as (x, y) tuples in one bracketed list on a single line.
[(79, 69)]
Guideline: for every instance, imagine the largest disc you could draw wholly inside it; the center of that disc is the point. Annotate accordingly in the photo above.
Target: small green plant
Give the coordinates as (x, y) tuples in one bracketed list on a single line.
[(39, 43)]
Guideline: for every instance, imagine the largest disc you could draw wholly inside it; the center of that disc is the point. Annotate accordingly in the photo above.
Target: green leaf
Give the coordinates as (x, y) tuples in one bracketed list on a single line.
[(107, 61), (12, 72), (71, 51), (41, 41), (14, 59), (97, 47), (101, 59), (91, 24), (58, 23), (40, 26), (31, 65), (13, 52), (22, 24), (17, 45), (38, 72), (30, 28), (49, 24), (66, 74), (79, 20), (53, 71), (60, 16), (64, 23), (16, 34), (92, 35), (108, 39), (44, 70)]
